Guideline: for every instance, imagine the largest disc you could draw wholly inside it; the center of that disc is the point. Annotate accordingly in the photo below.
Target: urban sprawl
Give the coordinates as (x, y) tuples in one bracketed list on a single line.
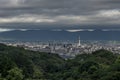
[(68, 49)]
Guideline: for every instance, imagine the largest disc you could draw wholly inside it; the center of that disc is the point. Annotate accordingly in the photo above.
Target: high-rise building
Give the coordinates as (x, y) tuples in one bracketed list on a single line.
[(79, 44)]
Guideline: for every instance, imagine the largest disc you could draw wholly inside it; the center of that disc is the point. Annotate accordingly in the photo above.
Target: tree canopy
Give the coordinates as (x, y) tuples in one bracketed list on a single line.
[(20, 64)]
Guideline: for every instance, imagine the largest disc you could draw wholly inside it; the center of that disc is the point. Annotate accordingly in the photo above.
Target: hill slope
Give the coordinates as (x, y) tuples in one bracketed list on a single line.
[(20, 64)]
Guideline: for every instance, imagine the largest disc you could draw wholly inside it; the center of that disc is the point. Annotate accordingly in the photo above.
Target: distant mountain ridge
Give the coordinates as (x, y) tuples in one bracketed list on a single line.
[(43, 35)]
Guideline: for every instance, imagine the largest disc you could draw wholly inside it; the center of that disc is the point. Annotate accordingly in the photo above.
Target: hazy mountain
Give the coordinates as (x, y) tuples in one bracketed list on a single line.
[(72, 35)]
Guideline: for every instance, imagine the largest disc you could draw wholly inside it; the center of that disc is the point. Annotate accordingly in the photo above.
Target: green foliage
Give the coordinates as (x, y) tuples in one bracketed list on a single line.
[(38, 73), (20, 64), (15, 74), (89, 67), (112, 76), (104, 57), (117, 60), (34, 65), (5, 64)]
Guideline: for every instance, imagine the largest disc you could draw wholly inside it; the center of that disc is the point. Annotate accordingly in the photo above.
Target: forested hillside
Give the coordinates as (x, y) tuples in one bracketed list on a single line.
[(20, 64)]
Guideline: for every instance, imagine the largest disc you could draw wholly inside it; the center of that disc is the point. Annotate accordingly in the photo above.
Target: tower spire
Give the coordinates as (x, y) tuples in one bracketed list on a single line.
[(79, 42)]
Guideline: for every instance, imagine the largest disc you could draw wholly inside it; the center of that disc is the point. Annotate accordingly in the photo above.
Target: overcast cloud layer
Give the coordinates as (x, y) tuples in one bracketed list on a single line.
[(58, 12)]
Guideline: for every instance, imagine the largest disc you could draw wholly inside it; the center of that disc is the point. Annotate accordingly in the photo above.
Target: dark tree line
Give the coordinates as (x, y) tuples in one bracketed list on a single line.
[(20, 64)]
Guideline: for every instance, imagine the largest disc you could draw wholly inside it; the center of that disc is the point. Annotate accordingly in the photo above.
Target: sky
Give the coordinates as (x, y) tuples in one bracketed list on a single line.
[(37, 14)]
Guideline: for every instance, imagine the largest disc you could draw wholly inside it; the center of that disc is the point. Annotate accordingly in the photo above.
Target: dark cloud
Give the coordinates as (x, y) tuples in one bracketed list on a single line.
[(59, 12)]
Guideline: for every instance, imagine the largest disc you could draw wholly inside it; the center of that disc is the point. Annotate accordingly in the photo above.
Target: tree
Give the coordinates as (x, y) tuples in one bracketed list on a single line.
[(112, 76), (89, 66), (38, 74), (2, 78), (118, 60), (5, 64), (15, 74)]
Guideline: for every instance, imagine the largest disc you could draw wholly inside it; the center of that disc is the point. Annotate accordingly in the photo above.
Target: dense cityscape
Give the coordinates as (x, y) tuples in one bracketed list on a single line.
[(68, 49)]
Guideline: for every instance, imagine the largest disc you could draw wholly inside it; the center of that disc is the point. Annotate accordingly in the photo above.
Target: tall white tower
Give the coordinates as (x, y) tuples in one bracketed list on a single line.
[(79, 44)]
